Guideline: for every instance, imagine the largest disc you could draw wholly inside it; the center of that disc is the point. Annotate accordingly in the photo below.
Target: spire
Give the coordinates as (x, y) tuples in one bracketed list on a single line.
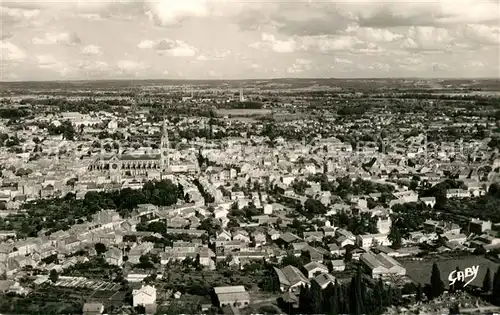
[(164, 154)]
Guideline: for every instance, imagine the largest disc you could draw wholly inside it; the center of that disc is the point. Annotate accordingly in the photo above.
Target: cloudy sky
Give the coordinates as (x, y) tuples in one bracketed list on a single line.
[(202, 39)]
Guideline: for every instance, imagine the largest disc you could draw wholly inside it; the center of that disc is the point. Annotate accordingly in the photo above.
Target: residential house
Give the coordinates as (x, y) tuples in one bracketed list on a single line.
[(338, 265), (93, 308), (323, 280), (336, 250), (369, 240), (146, 295), (313, 236), (477, 226), (314, 268), (114, 256), (235, 296), (382, 265), (290, 279)]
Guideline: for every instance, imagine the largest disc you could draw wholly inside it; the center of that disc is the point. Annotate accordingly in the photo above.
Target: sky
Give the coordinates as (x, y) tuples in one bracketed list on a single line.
[(251, 39)]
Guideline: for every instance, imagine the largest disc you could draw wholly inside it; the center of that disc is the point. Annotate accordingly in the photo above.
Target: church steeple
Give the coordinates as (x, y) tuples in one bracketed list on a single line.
[(164, 146)]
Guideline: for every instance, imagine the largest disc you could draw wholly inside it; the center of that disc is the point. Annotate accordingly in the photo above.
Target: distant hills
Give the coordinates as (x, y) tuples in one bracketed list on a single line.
[(286, 83)]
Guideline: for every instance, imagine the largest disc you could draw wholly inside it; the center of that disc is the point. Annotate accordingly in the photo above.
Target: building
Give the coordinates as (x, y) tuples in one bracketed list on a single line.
[(382, 265), (235, 296), (323, 280), (290, 279), (314, 268), (477, 226), (93, 308), (370, 240), (146, 295)]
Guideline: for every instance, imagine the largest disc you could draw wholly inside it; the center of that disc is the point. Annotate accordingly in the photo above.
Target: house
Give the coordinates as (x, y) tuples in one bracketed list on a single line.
[(477, 226), (146, 295), (316, 254), (457, 193), (114, 256), (323, 280), (338, 265), (259, 238), (382, 265), (336, 250), (235, 296), (290, 279), (93, 308), (343, 241), (313, 269), (369, 240), (288, 238), (241, 236), (455, 238), (313, 236)]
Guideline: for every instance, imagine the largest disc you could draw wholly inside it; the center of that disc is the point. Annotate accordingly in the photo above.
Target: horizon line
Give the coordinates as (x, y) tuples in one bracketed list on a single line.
[(254, 79)]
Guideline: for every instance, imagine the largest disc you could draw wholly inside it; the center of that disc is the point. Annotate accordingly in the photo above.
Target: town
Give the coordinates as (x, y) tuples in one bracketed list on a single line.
[(241, 197)]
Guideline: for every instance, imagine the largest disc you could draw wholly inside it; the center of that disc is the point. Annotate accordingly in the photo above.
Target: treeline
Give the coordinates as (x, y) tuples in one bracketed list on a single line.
[(83, 106), (357, 297), (14, 113)]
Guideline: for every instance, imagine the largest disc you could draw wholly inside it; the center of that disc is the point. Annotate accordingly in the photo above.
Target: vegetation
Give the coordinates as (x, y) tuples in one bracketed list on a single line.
[(60, 213)]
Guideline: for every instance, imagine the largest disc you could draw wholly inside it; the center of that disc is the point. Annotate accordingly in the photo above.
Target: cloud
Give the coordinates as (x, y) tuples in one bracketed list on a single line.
[(482, 34), (91, 50), (176, 48), (269, 42), (11, 53), (64, 38), (300, 65), (170, 12), (47, 61), (130, 66)]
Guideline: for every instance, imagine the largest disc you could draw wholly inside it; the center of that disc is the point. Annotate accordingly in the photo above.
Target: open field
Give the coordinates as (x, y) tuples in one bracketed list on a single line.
[(242, 112), (420, 271)]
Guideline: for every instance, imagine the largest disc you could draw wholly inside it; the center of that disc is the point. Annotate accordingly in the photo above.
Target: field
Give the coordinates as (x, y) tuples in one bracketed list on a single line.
[(242, 112), (420, 271)]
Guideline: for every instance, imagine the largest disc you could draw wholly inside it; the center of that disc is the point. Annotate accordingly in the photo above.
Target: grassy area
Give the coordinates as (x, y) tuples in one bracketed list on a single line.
[(420, 271)]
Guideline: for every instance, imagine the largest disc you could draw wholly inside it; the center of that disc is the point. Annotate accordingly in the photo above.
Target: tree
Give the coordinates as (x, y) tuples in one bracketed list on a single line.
[(100, 248), (53, 276), (395, 237), (316, 299), (454, 309), (378, 298), (487, 281), (418, 296), (356, 294), (305, 299), (496, 287), (437, 285)]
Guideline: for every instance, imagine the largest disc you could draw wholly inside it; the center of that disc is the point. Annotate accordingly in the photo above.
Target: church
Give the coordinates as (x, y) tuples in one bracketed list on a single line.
[(151, 166)]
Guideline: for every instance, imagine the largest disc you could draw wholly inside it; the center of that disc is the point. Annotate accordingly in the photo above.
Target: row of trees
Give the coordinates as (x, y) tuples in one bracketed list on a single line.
[(357, 297)]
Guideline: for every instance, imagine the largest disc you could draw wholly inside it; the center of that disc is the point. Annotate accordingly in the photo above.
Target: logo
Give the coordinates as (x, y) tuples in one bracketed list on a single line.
[(457, 275)]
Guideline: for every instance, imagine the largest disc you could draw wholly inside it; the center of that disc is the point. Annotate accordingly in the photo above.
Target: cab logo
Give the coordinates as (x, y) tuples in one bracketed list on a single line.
[(458, 275)]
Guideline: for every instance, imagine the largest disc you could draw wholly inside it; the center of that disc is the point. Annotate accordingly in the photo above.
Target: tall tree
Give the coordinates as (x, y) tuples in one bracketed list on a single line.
[(437, 285), (356, 294), (54, 276), (420, 290), (305, 299), (378, 297), (316, 299), (496, 287), (487, 281)]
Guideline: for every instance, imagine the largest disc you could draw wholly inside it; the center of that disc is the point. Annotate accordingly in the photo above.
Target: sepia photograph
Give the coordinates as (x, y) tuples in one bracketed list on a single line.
[(248, 157)]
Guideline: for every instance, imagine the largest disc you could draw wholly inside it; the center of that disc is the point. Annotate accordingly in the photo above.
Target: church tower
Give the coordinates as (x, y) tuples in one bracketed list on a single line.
[(164, 147)]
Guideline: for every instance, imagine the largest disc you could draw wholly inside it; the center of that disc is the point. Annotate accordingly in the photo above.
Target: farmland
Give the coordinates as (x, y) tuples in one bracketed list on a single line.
[(420, 271)]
